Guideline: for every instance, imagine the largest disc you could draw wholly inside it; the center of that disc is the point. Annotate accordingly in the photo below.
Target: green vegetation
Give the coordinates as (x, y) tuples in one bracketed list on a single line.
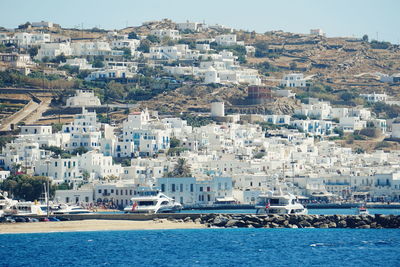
[(26, 187), (383, 144), (196, 121), (182, 169), (387, 111), (133, 35), (380, 45), (174, 142)]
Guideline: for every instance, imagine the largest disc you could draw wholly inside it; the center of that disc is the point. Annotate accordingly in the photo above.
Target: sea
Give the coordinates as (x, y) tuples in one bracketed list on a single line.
[(205, 247)]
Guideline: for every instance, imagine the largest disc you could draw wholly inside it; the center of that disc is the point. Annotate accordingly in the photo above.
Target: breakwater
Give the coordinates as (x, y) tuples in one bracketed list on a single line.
[(226, 220), (377, 221)]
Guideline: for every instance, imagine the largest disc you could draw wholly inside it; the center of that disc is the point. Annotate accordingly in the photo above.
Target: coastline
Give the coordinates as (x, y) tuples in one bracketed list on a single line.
[(95, 225)]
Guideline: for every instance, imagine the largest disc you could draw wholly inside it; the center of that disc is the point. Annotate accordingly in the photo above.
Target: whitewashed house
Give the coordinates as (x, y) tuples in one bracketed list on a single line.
[(52, 50), (293, 80), (162, 33), (83, 98)]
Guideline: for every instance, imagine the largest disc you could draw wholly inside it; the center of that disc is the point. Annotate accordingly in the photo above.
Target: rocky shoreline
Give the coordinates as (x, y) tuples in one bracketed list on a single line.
[(377, 221)]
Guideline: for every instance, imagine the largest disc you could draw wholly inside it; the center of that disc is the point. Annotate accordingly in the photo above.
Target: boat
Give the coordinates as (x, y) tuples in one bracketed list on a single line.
[(63, 209), (5, 204), (149, 200), (27, 208), (362, 210), (277, 202)]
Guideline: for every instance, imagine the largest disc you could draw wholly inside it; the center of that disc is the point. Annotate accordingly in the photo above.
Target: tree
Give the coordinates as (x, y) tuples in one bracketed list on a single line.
[(293, 65), (153, 38), (33, 51), (80, 150), (133, 35), (181, 169), (365, 38), (144, 46), (26, 187), (174, 142)]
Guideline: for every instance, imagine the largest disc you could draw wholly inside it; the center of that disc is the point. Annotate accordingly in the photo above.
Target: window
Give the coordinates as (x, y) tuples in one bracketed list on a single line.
[(173, 187), (201, 189), (191, 188), (162, 187), (181, 187), (99, 191)]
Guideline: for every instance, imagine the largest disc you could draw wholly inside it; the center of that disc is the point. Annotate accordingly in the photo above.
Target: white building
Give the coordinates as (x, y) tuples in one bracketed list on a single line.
[(293, 80), (318, 32), (162, 33), (226, 39), (131, 44), (191, 26), (192, 191), (36, 129), (373, 98), (42, 24), (179, 51), (81, 63), (107, 74), (83, 98), (98, 48), (351, 124), (52, 50)]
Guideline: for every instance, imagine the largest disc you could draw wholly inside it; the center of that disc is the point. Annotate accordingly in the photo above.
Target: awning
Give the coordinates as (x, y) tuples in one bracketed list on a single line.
[(225, 199)]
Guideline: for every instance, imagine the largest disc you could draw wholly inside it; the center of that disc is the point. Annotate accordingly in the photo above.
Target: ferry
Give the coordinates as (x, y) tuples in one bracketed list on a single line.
[(149, 200), (278, 202)]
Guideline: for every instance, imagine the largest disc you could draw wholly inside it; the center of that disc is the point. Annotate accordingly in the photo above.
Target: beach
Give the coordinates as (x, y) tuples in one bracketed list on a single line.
[(95, 225)]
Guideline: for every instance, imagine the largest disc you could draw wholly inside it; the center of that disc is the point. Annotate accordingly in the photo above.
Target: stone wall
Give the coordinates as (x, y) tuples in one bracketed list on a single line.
[(301, 221)]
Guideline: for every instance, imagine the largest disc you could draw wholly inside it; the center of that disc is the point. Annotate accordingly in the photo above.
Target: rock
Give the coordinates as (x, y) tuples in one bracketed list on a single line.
[(324, 225), (293, 219), (250, 226), (304, 223), (294, 226), (332, 225), (273, 225), (342, 224), (231, 223), (373, 225), (285, 223), (241, 223), (197, 220), (187, 219), (366, 226), (220, 221), (256, 225)]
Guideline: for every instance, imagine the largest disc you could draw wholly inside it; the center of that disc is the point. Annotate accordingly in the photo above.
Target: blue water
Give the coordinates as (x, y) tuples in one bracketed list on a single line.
[(310, 211), (205, 247)]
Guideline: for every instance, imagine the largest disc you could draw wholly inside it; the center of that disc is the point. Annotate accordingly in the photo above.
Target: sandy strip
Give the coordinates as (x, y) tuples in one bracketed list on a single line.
[(94, 225)]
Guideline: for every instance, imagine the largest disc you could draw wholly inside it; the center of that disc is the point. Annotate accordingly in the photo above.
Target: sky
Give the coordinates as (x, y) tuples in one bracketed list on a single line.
[(379, 19)]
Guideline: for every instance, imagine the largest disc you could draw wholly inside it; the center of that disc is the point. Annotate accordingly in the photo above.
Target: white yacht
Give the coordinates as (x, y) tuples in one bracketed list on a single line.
[(278, 202), (5, 204), (27, 208), (62, 209), (148, 200)]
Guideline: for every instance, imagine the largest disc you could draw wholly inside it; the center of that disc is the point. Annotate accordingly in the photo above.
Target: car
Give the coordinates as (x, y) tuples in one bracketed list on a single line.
[(19, 219), (53, 219)]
